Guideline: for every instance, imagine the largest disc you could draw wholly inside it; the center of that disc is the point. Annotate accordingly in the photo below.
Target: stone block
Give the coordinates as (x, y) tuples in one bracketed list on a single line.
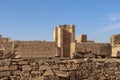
[(82, 38), (36, 73), (4, 68), (4, 78), (22, 62), (5, 62), (13, 67), (14, 77), (26, 68), (25, 74), (44, 67), (14, 63), (5, 73), (16, 73), (49, 73), (61, 74)]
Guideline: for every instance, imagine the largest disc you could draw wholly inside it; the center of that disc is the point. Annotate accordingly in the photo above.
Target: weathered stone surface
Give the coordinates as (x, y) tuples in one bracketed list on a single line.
[(4, 78), (14, 77), (22, 63), (5, 68), (5, 62), (85, 69), (26, 68), (115, 39), (36, 73), (13, 67), (115, 42), (61, 74), (5, 73), (90, 49), (64, 35), (35, 49), (44, 67), (82, 38), (14, 63), (49, 73), (16, 73), (28, 60)]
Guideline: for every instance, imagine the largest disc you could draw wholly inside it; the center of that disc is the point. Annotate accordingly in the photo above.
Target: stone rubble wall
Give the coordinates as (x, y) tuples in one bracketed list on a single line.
[(59, 69), (92, 48)]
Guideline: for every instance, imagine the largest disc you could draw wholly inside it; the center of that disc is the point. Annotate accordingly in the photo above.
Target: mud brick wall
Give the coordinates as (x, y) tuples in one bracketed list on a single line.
[(34, 49), (59, 69)]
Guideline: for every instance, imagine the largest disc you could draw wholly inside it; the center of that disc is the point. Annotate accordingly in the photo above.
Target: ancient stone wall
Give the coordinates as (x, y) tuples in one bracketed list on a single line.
[(59, 69), (115, 42), (115, 39), (82, 38), (6, 49), (91, 48), (35, 49), (64, 35)]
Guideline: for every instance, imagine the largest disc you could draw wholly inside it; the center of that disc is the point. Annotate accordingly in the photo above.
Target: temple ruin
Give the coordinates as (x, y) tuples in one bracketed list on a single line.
[(64, 58), (63, 45)]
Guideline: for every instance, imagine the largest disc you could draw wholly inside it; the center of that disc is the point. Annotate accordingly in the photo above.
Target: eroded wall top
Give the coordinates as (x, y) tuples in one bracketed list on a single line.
[(115, 40), (35, 49)]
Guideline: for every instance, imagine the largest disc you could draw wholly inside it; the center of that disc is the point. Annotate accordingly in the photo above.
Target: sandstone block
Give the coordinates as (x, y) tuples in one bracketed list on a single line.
[(5, 73), (4, 68), (13, 67), (22, 62), (26, 68), (16, 73)]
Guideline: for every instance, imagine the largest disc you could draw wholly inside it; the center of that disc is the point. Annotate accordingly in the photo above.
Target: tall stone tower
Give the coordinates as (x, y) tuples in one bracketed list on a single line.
[(64, 35)]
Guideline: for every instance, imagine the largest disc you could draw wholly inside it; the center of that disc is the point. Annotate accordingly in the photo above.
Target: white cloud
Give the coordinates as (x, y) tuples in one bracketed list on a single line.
[(112, 27), (114, 16)]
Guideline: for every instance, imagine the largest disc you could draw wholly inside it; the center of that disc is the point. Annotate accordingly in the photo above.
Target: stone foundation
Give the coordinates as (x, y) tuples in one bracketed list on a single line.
[(59, 69)]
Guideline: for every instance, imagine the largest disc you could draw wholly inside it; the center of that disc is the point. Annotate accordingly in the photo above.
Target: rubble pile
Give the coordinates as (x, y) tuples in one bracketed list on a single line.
[(59, 69)]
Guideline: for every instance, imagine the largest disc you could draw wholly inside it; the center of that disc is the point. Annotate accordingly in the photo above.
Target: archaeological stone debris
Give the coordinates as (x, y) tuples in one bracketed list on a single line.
[(64, 58)]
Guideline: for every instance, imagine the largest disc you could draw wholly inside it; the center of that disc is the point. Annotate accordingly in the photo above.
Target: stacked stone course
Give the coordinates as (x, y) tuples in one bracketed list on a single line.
[(56, 69)]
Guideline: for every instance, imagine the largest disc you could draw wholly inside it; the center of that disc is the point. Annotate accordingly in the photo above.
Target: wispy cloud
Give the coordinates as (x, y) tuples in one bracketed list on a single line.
[(111, 27), (114, 16)]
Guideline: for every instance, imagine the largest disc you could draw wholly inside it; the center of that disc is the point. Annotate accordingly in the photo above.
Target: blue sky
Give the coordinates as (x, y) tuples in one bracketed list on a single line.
[(36, 19)]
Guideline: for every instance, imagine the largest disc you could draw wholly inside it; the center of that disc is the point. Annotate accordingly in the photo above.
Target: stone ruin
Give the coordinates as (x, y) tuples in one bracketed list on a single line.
[(62, 59), (91, 50), (115, 43), (63, 45), (59, 69)]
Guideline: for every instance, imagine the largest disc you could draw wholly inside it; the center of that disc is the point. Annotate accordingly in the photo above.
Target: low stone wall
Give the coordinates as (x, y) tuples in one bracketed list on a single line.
[(59, 69)]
